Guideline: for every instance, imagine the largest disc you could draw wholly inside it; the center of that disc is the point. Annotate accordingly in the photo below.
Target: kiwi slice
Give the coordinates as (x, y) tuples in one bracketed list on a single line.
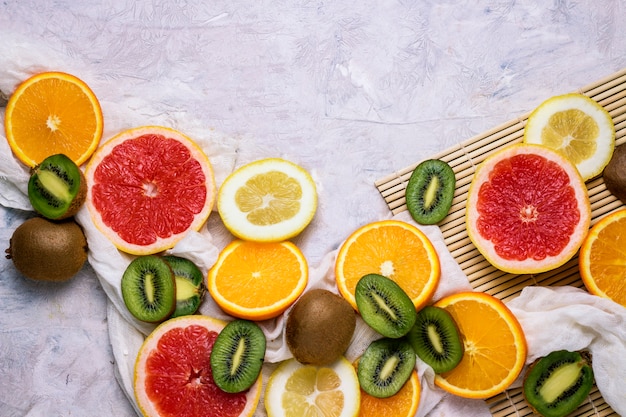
[(385, 366), (556, 384), (430, 191), (237, 356), (384, 305), (436, 339), (190, 288), (57, 188), (149, 288)]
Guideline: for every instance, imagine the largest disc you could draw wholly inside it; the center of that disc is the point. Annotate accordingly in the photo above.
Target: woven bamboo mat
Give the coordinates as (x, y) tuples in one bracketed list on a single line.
[(610, 93)]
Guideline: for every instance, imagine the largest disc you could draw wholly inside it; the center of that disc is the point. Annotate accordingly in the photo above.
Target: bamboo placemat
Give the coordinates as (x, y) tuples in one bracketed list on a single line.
[(610, 93)]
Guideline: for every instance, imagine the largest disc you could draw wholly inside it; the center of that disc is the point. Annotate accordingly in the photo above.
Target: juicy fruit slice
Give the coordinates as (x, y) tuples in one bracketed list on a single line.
[(173, 373), (394, 249), (190, 288), (403, 404), (558, 383), (51, 113), (527, 209), (385, 366), (147, 187), (384, 306), (494, 346), (258, 281), (602, 259), (577, 127), (269, 200), (295, 390), (430, 191), (436, 339), (237, 356)]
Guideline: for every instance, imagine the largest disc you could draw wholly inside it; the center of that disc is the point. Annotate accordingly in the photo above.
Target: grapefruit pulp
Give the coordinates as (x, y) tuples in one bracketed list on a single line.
[(173, 373), (147, 187), (528, 210)]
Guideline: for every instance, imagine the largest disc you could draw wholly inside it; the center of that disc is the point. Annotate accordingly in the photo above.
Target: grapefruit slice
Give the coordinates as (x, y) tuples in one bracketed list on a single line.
[(147, 187), (173, 373), (528, 210)]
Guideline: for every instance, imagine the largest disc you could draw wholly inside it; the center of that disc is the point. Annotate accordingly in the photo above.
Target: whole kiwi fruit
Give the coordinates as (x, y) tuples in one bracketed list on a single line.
[(319, 327), (46, 250), (614, 174)]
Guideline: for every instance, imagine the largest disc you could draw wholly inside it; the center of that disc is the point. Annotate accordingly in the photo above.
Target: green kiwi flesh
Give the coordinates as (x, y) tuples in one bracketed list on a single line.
[(190, 288), (555, 385), (436, 339), (384, 305), (57, 188), (237, 356), (149, 288), (430, 191), (385, 366)]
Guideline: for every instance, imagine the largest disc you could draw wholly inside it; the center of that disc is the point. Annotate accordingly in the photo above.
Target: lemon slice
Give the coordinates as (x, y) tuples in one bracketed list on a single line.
[(269, 200), (295, 390), (577, 127)]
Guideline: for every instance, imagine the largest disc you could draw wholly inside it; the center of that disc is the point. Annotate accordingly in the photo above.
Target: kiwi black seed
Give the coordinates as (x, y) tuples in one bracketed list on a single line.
[(436, 339), (149, 288), (385, 366), (555, 385), (237, 356), (614, 174), (46, 250), (384, 305), (57, 188), (430, 191), (190, 288)]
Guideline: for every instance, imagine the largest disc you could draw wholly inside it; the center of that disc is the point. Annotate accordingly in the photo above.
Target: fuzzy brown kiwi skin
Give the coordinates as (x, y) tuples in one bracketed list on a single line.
[(45, 250), (614, 174)]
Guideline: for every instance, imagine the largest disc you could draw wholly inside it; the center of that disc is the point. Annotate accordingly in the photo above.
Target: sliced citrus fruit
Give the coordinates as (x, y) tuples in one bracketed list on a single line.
[(602, 259), (495, 346), (53, 113), (269, 200), (527, 209), (147, 187), (296, 390), (394, 249), (173, 373), (403, 404), (577, 127), (257, 280)]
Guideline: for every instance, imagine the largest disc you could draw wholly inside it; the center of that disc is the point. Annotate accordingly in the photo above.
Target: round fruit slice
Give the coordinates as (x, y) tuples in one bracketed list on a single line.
[(577, 127), (173, 373), (257, 280), (527, 209), (494, 346), (52, 113), (394, 249), (147, 187), (602, 259), (295, 390), (269, 200)]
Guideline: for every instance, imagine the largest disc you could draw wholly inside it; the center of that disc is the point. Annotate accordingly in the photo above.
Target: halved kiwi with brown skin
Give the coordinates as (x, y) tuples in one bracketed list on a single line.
[(430, 191), (57, 188), (385, 366), (190, 288)]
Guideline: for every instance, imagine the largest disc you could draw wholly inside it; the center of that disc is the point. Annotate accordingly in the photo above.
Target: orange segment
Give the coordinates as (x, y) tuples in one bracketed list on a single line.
[(495, 346), (402, 404), (602, 260), (51, 113), (394, 249), (258, 281)]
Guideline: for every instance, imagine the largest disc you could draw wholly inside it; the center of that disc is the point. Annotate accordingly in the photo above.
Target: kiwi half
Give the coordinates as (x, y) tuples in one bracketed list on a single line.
[(436, 339), (237, 356), (384, 305), (430, 191), (556, 384), (57, 188), (385, 366), (149, 288), (190, 288)]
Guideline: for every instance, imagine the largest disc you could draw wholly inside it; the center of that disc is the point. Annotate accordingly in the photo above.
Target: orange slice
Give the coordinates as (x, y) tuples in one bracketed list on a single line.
[(258, 280), (392, 248), (52, 113), (403, 404), (602, 260), (495, 346)]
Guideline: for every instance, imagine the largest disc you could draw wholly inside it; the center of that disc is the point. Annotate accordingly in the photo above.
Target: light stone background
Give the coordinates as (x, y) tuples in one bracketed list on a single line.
[(350, 90)]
